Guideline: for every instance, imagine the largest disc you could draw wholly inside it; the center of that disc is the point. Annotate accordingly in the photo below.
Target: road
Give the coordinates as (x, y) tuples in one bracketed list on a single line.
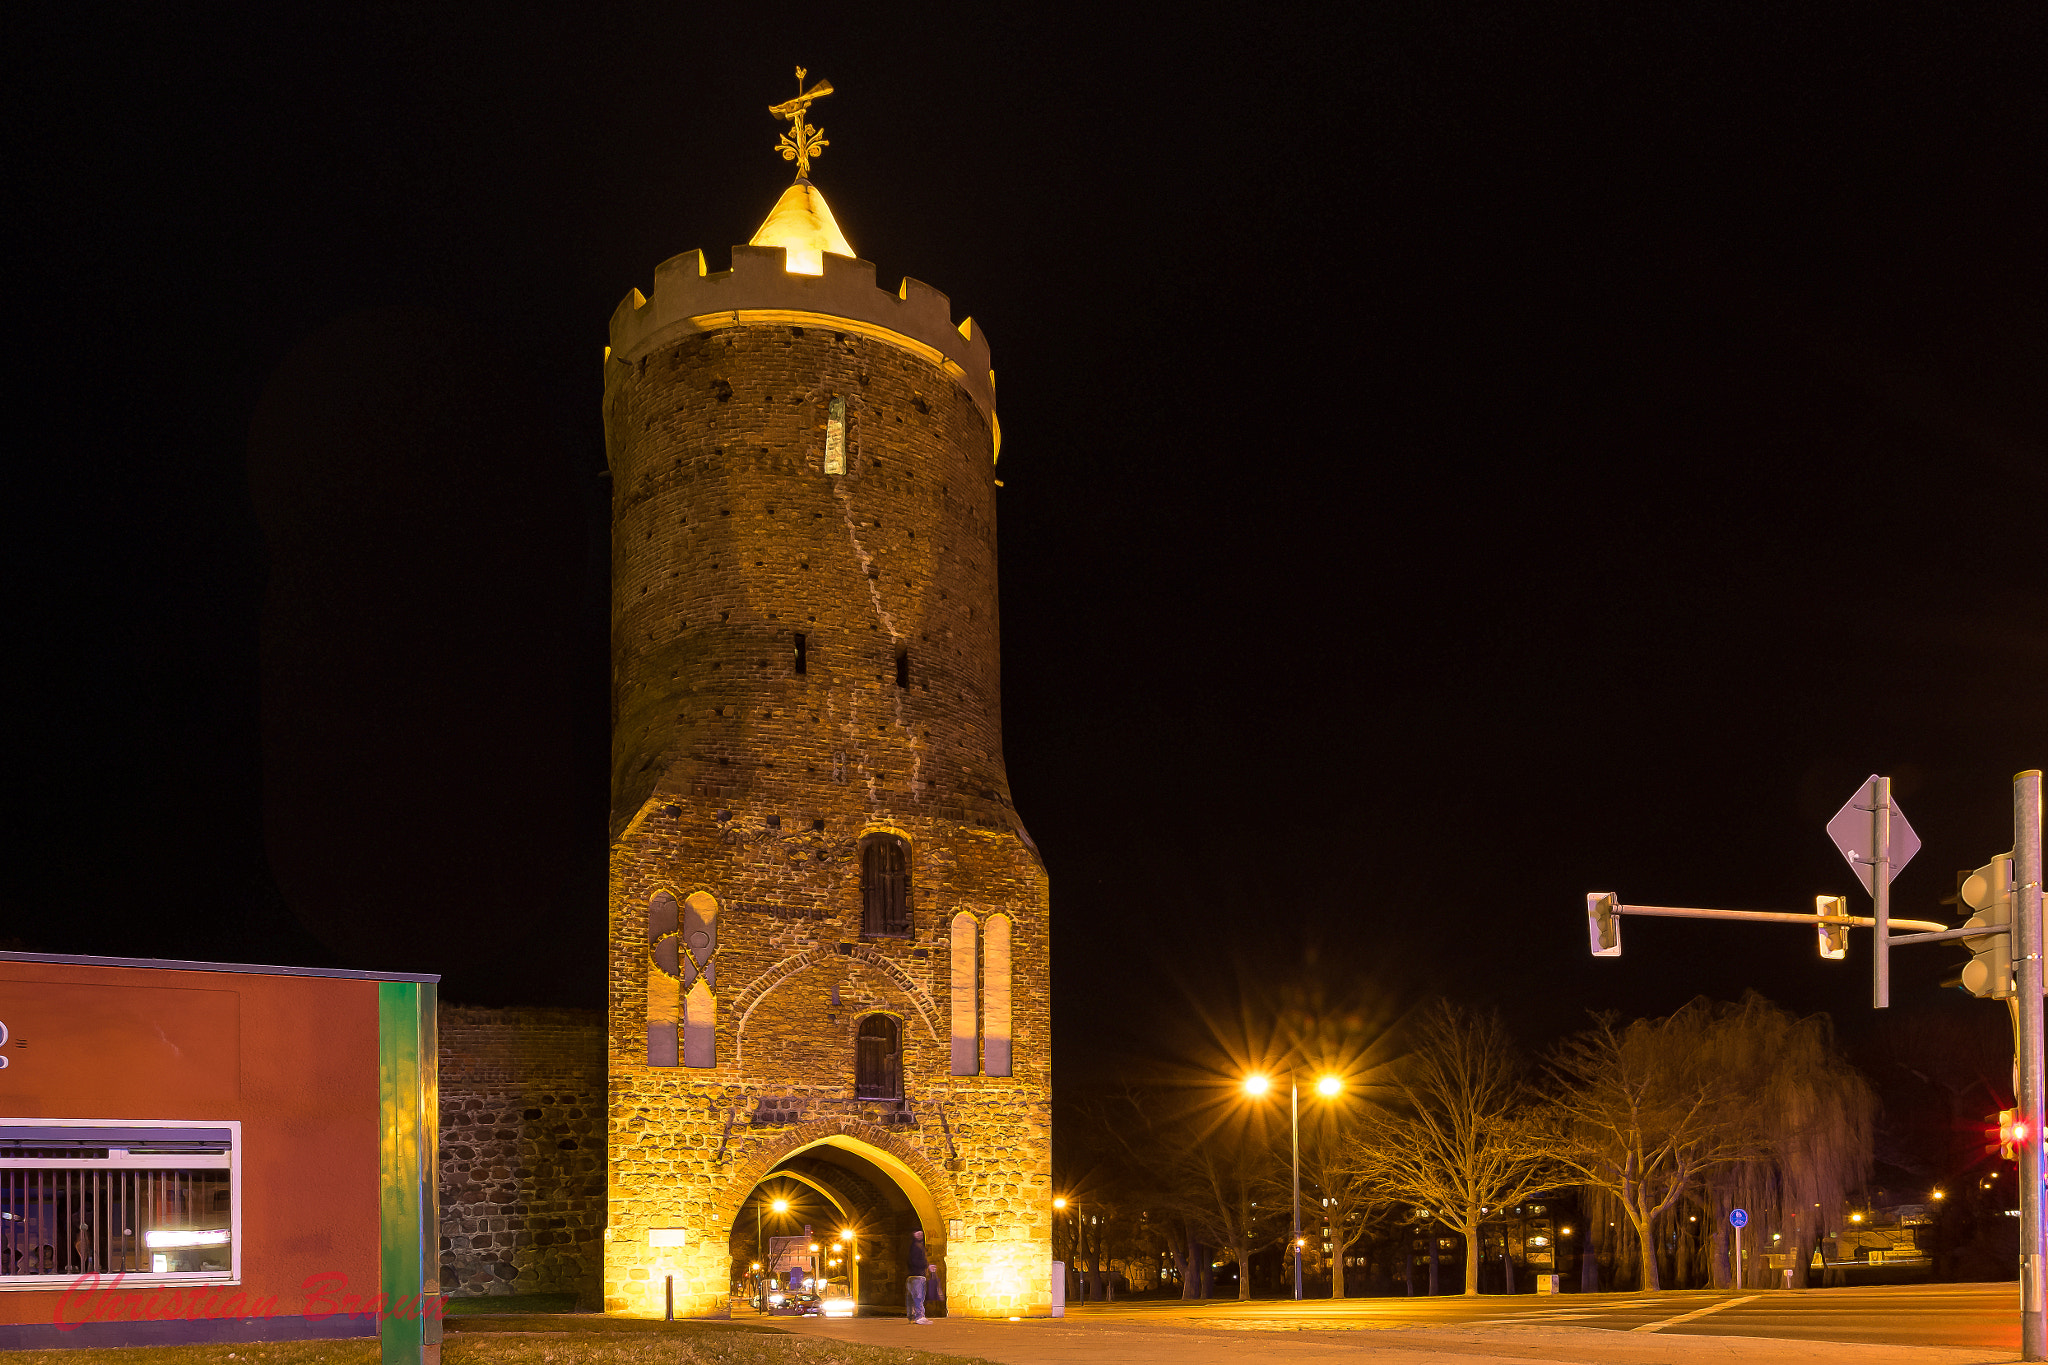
[(1886, 1325)]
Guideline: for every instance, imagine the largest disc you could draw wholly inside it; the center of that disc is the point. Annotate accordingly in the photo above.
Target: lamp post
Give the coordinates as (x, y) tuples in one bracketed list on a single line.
[(1059, 1202), (780, 1206), (1329, 1087)]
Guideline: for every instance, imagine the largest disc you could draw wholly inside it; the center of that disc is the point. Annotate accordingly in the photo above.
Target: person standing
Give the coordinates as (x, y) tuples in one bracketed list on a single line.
[(913, 1284)]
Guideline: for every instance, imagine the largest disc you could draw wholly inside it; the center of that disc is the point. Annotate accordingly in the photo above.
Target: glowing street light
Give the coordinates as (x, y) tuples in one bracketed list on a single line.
[(780, 1206), (1059, 1201), (1329, 1087)]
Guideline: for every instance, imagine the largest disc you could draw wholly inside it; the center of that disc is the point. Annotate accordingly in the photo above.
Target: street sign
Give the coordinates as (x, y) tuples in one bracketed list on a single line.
[(1853, 831), (1738, 1218)]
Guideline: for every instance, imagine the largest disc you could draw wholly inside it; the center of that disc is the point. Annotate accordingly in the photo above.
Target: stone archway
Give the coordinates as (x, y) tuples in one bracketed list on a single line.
[(869, 1184)]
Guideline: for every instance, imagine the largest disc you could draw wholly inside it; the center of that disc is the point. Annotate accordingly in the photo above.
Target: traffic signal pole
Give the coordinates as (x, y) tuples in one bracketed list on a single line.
[(2023, 988), (2026, 856), (1881, 892)]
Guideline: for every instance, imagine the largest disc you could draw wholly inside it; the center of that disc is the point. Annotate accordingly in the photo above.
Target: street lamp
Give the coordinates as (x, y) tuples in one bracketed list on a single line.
[(1329, 1087), (760, 1247)]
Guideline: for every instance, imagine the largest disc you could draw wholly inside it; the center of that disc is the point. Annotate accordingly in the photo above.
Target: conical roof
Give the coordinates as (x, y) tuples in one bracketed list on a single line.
[(802, 224)]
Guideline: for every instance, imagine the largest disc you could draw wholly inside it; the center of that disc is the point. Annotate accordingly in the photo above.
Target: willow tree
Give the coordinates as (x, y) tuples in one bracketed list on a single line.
[(1643, 1113), (1454, 1137), (1812, 1116)]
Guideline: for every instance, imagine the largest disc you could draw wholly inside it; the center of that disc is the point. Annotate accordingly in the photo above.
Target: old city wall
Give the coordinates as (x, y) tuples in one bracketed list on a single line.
[(522, 1151)]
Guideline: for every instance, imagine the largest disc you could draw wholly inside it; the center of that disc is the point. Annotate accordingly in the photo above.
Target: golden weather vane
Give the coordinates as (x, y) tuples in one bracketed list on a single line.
[(802, 141)]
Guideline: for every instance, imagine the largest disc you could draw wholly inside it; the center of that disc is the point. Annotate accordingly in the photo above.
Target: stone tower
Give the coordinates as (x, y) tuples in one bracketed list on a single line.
[(829, 958)]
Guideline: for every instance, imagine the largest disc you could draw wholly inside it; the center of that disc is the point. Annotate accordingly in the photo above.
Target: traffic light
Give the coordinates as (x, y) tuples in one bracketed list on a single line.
[(1603, 924), (1988, 891), (1834, 938), (2011, 1133)]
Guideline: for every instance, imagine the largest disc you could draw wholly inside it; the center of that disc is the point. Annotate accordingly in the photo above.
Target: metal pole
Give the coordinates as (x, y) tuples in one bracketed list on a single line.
[(1738, 1260), (1881, 891), (1294, 1124), (2026, 876)]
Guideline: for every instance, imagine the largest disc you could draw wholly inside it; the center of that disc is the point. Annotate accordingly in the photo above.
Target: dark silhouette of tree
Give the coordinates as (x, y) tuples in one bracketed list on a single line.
[(1454, 1136), (1811, 1114), (1643, 1112)]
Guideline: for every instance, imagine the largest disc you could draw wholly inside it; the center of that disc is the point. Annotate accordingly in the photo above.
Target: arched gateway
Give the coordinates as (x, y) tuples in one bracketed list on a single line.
[(829, 958)]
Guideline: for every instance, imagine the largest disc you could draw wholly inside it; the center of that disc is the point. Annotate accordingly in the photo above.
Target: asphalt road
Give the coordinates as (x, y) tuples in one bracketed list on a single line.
[(1974, 1315), (1887, 1325)]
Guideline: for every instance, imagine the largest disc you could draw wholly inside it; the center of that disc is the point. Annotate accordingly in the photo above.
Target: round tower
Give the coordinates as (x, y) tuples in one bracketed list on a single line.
[(829, 964)]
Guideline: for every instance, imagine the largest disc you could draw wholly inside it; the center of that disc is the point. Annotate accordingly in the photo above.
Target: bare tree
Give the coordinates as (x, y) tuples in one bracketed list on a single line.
[(1344, 1188), (1455, 1137), (1644, 1112), (1217, 1180), (1202, 1175)]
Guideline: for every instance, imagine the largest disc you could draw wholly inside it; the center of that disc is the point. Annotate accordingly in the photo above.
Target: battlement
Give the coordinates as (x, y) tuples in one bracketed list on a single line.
[(760, 289)]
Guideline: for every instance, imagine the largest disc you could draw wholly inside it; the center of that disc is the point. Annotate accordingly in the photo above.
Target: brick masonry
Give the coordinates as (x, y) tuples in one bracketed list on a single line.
[(735, 775), (522, 1151)]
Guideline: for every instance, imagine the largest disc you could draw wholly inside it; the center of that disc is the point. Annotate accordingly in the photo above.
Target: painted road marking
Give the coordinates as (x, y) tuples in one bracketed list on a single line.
[(1696, 1313)]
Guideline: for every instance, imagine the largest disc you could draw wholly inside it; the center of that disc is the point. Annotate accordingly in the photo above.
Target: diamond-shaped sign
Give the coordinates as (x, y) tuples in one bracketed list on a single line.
[(1854, 832)]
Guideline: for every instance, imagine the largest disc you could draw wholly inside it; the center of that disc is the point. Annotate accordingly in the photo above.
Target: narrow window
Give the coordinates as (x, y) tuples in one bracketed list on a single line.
[(835, 437), (699, 978), (878, 1064), (801, 645), (995, 996), (964, 1049), (885, 887), (664, 983), (903, 668)]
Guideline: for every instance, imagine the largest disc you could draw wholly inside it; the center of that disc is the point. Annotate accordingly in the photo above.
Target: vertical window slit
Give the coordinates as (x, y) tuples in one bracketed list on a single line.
[(835, 437), (800, 652), (903, 668)]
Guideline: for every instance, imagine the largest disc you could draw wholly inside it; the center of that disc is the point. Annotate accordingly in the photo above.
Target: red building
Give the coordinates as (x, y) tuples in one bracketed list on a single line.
[(203, 1152)]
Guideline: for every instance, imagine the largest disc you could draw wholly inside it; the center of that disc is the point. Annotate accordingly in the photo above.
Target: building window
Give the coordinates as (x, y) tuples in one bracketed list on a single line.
[(801, 659), (155, 1203), (664, 979), (885, 887), (965, 1060), (878, 1066), (995, 995), (699, 979), (835, 437), (903, 668)]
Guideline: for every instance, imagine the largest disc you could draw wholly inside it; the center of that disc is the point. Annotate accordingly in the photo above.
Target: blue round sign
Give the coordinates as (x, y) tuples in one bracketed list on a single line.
[(1738, 1218)]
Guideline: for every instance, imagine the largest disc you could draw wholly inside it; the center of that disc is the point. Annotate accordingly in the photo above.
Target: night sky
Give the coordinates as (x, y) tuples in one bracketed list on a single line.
[(1455, 459)]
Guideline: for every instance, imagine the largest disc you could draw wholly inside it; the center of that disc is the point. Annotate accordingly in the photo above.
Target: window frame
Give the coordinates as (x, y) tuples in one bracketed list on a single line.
[(874, 923), (895, 1022), (231, 1162)]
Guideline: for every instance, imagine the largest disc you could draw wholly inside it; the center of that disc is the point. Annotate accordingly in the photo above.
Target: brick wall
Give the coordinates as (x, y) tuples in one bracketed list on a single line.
[(737, 776), (522, 1150)]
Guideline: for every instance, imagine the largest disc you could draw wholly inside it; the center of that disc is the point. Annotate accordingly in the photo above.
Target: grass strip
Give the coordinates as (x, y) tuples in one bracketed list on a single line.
[(537, 1347)]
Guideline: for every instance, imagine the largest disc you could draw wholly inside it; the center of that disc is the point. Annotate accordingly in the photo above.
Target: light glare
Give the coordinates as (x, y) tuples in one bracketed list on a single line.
[(202, 1237)]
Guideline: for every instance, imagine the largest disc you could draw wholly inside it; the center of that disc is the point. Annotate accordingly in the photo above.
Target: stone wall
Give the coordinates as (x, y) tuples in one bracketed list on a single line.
[(522, 1151)]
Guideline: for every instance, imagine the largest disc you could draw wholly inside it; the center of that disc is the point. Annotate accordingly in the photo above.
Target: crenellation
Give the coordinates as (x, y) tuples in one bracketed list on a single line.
[(687, 299)]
